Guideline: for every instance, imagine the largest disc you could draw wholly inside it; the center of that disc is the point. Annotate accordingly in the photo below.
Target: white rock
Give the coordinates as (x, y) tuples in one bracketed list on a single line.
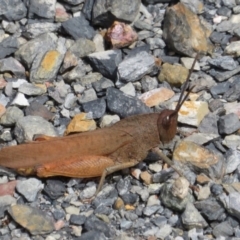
[(20, 100)]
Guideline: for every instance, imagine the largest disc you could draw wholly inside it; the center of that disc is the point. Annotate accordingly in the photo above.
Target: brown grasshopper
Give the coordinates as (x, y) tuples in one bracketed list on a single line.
[(97, 153)]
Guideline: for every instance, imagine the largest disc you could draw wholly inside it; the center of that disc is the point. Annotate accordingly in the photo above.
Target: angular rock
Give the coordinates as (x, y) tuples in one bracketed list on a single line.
[(106, 62), (8, 46), (192, 112), (87, 96), (29, 188), (34, 220), (233, 49), (54, 188), (233, 107), (30, 89), (47, 67), (12, 65), (190, 37), (128, 89), (120, 35), (102, 84), (109, 120), (97, 107), (164, 232), (232, 161), (208, 124), (20, 100), (104, 12), (38, 109), (232, 141), (134, 68), (220, 88), (42, 9), (156, 96), (7, 189), (232, 94), (228, 124), (78, 27), (176, 75), (124, 105), (191, 218), (80, 123), (12, 10), (35, 29), (7, 200), (223, 229), (82, 47), (149, 83), (11, 116), (210, 209), (171, 201), (28, 51), (223, 75), (27, 127), (61, 14), (201, 138), (188, 62), (198, 159), (223, 62)]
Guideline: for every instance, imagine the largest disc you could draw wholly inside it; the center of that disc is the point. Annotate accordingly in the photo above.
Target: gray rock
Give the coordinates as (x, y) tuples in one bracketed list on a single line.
[(232, 141), (35, 29), (220, 88), (223, 75), (142, 25), (228, 123), (229, 3), (82, 47), (232, 94), (164, 231), (102, 84), (88, 95), (90, 78), (211, 209), (78, 27), (209, 124), (215, 105), (42, 9), (27, 127), (172, 202), (12, 10), (104, 12), (8, 46), (134, 68), (150, 210), (124, 105), (149, 83), (223, 229), (232, 161), (11, 116), (145, 34), (38, 46), (224, 62), (191, 218), (106, 62), (7, 200), (70, 101), (155, 42), (128, 89), (30, 89), (125, 224), (97, 107), (29, 188), (12, 65)]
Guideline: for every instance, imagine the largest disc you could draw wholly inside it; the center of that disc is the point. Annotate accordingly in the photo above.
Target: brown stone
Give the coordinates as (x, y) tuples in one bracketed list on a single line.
[(202, 179), (156, 96), (175, 75), (198, 158), (119, 204), (8, 188), (120, 35), (33, 219), (80, 124), (146, 177), (184, 32), (2, 110)]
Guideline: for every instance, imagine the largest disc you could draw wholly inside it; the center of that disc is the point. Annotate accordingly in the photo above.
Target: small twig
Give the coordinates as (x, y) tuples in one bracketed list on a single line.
[(167, 160)]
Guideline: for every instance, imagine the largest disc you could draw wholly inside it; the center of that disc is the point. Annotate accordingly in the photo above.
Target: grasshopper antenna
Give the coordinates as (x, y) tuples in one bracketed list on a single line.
[(181, 98)]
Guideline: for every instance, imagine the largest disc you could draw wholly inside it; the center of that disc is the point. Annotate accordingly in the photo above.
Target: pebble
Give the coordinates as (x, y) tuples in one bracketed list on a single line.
[(156, 96), (20, 100), (7, 188), (232, 141), (135, 67), (233, 49), (228, 124), (29, 188), (128, 89), (108, 120), (33, 219), (27, 127)]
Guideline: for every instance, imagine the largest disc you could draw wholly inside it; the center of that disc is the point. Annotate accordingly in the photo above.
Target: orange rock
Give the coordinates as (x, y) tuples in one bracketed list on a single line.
[(156, 96), (146, 177), (129, 207), (120, 35), (80, 124)]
